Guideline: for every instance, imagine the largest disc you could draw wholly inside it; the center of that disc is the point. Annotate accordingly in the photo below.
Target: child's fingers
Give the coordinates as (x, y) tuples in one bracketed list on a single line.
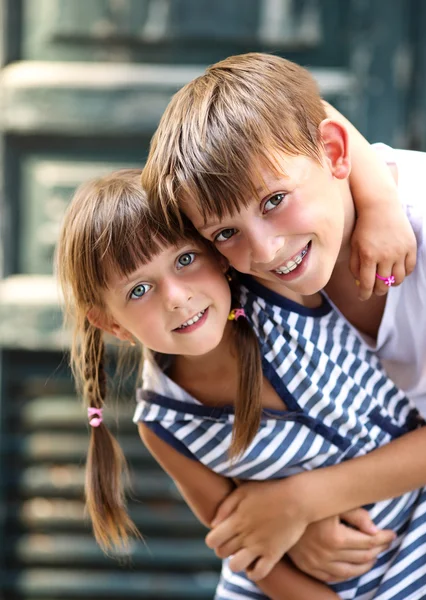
[(221, 534), (361, 520), (385, 269), (226, 508), (341, 571), (410, 262), (242, 560), (260, 568), (361, 557), (367, 279), (229, 548), (354, 264)]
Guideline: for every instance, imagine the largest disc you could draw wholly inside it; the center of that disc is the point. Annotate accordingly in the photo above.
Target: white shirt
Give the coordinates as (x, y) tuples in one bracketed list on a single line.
[(401, 340)]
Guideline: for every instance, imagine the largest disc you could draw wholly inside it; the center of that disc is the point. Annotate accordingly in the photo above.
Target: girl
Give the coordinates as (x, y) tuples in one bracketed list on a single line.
[(206, 411)]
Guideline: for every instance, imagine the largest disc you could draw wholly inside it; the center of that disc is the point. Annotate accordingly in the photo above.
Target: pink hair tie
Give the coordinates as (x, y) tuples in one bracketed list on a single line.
[(388, 280), (236, 313), (97, 413)]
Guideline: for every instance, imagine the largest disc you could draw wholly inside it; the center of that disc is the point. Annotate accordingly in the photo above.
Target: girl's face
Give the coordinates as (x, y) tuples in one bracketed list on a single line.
[(176, 304)]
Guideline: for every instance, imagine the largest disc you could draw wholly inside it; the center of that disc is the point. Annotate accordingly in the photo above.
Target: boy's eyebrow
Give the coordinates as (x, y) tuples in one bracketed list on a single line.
[(260, 191), (208, 225)]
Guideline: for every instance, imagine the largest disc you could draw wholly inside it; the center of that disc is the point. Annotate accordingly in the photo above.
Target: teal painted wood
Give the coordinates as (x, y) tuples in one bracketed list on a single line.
[(417, 108), (63, 583), (381, 57), (108, 99), (166, 31), (49, 537)]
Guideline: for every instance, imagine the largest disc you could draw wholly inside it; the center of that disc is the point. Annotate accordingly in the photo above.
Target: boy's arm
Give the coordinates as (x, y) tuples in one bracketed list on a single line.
[(383, 241), (293, 503), (204, 490)]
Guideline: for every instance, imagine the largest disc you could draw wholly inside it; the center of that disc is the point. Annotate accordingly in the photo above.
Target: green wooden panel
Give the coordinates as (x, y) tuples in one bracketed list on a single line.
[(30, 316), (166, 518), (48, 186), (93, 99), (165, 30), (65, 583), (80, 549)]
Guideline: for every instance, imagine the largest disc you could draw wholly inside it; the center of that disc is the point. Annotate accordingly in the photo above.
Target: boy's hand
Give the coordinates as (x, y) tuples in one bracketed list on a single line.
[(332, 551), (383, 242), (257, 524)]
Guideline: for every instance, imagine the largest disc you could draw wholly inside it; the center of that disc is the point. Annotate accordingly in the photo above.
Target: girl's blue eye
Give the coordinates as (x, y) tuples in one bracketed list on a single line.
[(139, 291), (224, 235), (273, 202), (185, 259)]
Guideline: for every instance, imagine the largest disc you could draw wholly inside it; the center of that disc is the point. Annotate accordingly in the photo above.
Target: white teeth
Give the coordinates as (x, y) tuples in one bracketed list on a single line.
[(192, 320), (293, 263)]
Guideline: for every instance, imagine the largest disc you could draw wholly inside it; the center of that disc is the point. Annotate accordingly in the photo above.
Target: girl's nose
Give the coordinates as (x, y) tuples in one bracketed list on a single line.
[(176, 295)]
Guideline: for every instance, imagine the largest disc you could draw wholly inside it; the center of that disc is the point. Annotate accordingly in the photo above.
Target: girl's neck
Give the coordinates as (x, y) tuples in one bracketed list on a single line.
[(213, 377)]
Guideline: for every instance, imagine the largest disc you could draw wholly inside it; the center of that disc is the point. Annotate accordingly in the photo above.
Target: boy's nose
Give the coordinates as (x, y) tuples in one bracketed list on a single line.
[(264, 250)]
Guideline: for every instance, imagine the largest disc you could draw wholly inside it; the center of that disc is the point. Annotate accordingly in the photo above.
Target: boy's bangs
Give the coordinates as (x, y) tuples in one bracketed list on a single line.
[(220, 192)]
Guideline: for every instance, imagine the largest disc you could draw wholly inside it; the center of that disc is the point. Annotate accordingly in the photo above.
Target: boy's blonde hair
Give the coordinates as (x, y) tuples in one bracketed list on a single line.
[(217, 128)]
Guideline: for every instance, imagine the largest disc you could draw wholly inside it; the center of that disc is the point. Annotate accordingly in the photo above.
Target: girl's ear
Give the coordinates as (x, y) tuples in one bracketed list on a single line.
[(335, 140), (101, 320)]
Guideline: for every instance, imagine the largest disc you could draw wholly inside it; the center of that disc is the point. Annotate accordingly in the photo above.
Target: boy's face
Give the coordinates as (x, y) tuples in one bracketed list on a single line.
[(293, 231)]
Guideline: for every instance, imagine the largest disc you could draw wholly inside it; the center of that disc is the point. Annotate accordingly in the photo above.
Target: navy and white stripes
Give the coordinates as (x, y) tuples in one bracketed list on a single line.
[(340, 404)]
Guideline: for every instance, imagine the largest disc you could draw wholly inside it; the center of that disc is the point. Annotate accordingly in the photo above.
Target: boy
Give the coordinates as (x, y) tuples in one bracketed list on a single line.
[(247, 152)]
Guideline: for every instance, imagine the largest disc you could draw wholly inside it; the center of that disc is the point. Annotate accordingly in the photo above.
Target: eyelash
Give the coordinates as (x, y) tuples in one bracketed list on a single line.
[(140, 285), (216, 237), (147, 286), (192, 254), (281, 196)]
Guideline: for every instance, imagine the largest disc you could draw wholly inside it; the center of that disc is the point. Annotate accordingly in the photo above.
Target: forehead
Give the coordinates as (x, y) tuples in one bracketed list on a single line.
[(277, 172)]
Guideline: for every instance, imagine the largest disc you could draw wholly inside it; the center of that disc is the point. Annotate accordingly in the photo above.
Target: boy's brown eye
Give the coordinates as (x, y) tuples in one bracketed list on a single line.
[(225, 234), (273, 202)]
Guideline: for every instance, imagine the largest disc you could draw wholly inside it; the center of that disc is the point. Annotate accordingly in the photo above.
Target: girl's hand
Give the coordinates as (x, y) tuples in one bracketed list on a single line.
[(383, 242), (257, 524), (333, 551)]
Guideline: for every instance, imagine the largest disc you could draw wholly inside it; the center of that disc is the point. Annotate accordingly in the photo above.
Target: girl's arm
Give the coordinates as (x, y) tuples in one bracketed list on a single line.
[(204, 490), (383, 240), (293, 503)]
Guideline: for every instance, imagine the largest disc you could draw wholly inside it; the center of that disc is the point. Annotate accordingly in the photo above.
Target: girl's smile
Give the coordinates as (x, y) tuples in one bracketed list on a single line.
[(194, 322)]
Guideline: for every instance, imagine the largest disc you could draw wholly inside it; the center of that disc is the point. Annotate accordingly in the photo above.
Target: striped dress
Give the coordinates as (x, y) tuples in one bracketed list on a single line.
[(340, 404)]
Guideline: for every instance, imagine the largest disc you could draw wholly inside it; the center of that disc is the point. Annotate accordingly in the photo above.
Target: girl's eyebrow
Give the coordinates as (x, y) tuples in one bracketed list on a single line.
[(127, 280)]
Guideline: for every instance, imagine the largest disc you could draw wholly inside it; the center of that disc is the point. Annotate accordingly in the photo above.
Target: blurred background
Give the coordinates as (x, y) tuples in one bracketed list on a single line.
[(83, 84)]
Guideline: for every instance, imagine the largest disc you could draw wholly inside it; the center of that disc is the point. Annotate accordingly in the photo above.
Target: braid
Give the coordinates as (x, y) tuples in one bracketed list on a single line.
[(248, 406), (106, 465)]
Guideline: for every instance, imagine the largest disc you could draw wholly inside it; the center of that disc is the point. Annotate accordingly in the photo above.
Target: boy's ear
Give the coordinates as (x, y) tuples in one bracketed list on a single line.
[(335, 141), (101, 320)]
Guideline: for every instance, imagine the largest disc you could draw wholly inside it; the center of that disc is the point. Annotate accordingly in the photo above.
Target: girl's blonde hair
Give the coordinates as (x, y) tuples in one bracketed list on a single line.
[(219, 126), (109, 228)]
